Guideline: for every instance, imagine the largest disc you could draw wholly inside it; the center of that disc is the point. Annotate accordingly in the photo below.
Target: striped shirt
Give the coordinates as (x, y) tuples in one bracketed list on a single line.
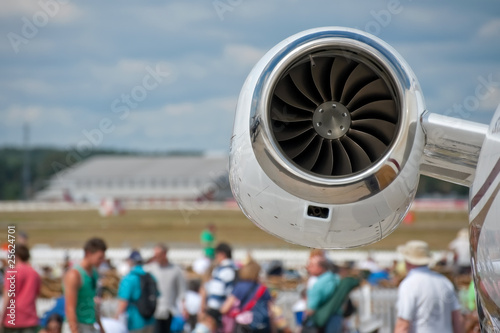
[(221, 285)]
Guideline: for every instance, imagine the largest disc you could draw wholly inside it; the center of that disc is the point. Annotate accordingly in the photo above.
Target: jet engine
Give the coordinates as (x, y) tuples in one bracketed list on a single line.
[(330, 136)]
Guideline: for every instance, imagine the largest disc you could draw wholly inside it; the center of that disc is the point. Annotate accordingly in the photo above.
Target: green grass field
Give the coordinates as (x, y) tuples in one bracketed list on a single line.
[(144, 228)]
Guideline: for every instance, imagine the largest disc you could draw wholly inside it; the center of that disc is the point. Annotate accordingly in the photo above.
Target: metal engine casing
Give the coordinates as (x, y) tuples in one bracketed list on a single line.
[(348, 211)]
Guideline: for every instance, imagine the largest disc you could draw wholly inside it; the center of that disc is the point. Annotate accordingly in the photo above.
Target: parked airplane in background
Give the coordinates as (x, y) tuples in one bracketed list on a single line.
[(330, 137)]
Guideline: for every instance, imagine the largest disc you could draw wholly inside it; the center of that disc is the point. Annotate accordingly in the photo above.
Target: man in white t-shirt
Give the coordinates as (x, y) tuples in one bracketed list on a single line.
[(427, 302)]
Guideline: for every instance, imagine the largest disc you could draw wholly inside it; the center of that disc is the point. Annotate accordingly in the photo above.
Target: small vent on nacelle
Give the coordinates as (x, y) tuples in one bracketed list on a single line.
[(334, 114)]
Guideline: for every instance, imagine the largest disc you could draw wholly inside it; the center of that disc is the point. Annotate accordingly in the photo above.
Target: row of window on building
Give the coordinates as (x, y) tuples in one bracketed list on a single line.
[(138, 183)]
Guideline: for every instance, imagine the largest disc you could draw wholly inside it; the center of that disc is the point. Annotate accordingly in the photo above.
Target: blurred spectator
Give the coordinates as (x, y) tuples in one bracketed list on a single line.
[(249, 301), (105, 267), (178, 324), (471, 297), (379, 278), (131, 289), (207, 239), (54, 324), (460, 247), (279, 320), (320, 292), (472, 323), (275, 268), (209, 322), (338, 303), (57, 309), (299, 308), (22, 238), (370, 325), (398, 270), (21, 288), (112, 325), (67, 262), (369, 264), (426, 300), (315, 253), (192, 303), (201, 265), (221, 284), (80, 286), (171, 285), (47, 272)]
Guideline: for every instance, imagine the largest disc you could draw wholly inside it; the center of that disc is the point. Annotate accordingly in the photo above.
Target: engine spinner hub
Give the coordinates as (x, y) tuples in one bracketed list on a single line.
[(331, 120)]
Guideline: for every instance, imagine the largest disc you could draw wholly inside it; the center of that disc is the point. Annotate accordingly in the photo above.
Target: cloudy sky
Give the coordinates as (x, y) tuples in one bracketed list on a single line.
[(69, 68)]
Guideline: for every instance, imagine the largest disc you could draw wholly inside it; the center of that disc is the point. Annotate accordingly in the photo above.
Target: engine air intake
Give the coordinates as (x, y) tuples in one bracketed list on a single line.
[(334, 113)]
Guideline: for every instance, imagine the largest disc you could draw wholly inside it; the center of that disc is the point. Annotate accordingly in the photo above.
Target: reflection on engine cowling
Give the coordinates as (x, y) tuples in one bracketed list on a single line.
[(327, 141), (485, 230)]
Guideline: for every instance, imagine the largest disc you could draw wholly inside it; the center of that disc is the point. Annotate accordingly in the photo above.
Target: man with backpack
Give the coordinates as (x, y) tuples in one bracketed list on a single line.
[(323, 289), (137, 296)]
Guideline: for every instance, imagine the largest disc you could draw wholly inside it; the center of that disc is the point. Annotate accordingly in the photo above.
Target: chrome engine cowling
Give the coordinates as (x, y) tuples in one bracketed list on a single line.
[(327, 140)]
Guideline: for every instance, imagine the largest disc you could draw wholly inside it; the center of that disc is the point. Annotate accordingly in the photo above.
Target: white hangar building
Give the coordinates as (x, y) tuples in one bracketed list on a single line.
[(139, 178)]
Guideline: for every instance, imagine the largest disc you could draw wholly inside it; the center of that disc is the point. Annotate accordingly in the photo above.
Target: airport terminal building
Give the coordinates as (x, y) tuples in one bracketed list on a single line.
[(141, 178)]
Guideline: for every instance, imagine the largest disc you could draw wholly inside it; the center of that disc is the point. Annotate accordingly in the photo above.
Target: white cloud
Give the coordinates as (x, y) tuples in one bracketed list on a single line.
[(491, 102), (181, 15), (39, 115), (30, 86), (55, 11), (243, 55), (91, 62), (124, 71), (490, 29), (181, 120)]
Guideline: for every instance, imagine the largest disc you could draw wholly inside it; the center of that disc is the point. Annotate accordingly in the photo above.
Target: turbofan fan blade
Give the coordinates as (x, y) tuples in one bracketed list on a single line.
[(298, 144), (358, 157), (359, 77), (290, 94), (320, 68), (372, 146), (341, 69), (287, 131), (383, 109), (307, 159), (342, 165), (324, 164), (381, 129), (302, 77), (287, 113), (373, 91)]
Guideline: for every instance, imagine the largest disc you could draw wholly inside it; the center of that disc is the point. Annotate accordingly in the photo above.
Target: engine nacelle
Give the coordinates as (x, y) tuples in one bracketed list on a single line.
[(327, 140)]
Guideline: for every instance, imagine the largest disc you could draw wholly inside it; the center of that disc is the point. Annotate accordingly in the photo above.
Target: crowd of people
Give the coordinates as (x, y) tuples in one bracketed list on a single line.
[(156, 296)]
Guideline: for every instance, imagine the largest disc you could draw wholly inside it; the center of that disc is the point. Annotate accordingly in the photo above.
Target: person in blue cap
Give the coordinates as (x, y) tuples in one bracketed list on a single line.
[(129, 295)]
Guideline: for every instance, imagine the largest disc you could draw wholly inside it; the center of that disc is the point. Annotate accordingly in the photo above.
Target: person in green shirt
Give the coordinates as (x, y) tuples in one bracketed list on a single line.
[(207, 239), (80, 286)]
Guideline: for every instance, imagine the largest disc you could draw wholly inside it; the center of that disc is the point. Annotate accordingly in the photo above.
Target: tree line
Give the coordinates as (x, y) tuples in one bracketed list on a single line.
[(43, 162)]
